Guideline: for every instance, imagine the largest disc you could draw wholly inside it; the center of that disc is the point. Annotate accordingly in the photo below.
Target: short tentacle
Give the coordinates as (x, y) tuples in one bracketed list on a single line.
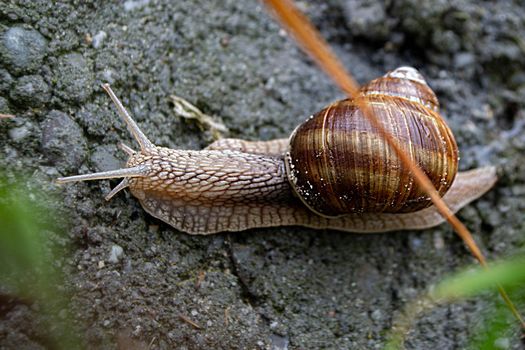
[(122, 185), (129, 151)]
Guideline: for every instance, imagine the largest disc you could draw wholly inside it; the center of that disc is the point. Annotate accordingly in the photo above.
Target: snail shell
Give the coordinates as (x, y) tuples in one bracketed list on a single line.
[(338, 163)]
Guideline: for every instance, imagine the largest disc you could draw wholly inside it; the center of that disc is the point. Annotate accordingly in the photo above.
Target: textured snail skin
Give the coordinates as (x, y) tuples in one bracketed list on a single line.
[(234, 185)]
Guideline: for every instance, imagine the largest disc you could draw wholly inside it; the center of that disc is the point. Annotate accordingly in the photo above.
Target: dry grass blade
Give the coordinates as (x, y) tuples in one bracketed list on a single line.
[(190, 322), (312, 42)]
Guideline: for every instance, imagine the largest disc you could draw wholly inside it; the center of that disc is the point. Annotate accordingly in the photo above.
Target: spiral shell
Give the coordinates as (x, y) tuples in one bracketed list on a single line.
[(338, 163)]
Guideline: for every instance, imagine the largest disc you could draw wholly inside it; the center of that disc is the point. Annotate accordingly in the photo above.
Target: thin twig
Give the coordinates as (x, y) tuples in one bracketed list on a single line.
[(190, 322)]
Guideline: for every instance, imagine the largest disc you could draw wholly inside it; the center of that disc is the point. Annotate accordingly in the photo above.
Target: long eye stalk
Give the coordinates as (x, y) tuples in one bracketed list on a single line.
[(111, 174), (142, 140)]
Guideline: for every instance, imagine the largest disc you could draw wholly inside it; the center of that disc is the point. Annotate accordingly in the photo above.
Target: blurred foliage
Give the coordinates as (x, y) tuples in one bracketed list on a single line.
[(499, 322), (30, 263)]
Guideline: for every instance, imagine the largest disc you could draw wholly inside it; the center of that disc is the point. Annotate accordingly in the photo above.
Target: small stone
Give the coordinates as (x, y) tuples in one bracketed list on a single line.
[(4, 106), (148, 266), (101, 264), (279, 342), (115, 254), (464, 59), (103, 158), (22, 49), (131, 5), (30, 91), (446, 41), (74, 78), (367, 19), (63, 141), (20, 133), (108, 75), (6, 80), (377, 315), (439, 242), (98, 39)]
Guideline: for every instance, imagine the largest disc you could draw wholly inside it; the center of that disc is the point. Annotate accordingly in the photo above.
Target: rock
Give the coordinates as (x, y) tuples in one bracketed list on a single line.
[(22, 50), (103, 158), (98, 39), (19, 133), (446, 41), (131, 5), (4, 106), (5, 81), (367, 19), (74, 78), (63, 141), (30, 91), (279, 342), (115, 254), (464, 59)]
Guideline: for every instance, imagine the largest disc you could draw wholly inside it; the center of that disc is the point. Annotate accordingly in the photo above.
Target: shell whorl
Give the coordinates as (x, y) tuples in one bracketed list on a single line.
[(338, 163), (405, 82)]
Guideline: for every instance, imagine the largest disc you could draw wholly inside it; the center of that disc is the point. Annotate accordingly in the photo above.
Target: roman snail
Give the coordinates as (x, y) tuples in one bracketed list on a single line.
[(335, 171)]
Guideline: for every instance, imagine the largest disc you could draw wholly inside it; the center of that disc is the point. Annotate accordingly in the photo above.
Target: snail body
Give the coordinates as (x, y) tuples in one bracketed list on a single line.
[(234, 185)]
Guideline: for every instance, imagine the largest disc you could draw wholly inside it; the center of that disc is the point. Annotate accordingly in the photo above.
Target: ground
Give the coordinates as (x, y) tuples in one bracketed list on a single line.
[(135, 280)]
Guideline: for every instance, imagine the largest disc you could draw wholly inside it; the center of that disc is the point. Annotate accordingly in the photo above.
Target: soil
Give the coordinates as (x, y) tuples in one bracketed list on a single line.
[(137, 282)]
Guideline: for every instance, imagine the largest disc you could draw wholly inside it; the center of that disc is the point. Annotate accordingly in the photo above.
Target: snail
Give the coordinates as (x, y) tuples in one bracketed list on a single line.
[(334, 172)]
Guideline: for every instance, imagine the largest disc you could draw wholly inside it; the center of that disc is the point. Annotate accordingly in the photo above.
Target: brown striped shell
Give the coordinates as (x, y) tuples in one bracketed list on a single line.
[(338, 163)]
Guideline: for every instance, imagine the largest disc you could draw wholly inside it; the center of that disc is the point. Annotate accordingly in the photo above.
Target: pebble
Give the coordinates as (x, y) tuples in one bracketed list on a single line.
[(98, 39), (63, 141), (20, 133), (464, 59), (74, 78), (377, 315), (4, 106), (446, 41), (103, 158), (115, 254), (22, 50), (5, 81), (366, 19), (279, 342), (148, 266), (131, 5), (30, 91)]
